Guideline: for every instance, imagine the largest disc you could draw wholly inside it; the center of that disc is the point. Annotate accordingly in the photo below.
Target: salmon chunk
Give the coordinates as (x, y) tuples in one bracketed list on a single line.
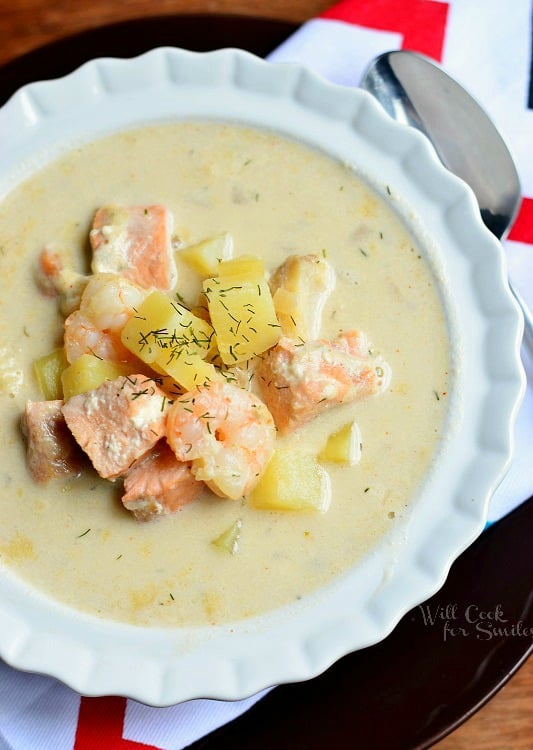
[(159, 484), (299, 381), (51, 450), (118, 422), (135, 242)]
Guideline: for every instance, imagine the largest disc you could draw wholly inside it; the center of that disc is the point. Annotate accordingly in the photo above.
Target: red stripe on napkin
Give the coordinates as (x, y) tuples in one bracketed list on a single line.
[(422, 23), (101, 724), (522, 230)]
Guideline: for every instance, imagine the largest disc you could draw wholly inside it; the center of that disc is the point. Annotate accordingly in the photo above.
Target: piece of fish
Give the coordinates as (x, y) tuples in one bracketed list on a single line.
[(158, 484), (135, 242), (298, 381), (118, 422), (55, 279), (300, 288), (51, 450)]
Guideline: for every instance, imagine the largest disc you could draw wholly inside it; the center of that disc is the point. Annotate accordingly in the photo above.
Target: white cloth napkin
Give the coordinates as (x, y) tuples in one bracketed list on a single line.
[(487, 47)]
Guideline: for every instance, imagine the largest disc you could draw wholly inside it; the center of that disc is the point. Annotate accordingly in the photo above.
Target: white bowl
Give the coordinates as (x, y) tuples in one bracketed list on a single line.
[(161, 666)]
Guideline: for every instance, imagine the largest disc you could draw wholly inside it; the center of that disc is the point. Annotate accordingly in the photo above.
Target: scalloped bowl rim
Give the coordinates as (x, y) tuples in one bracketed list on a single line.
[(163, 666)]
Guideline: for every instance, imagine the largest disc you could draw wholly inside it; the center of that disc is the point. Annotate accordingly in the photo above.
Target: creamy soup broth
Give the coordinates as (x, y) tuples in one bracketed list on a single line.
[(71, 538)]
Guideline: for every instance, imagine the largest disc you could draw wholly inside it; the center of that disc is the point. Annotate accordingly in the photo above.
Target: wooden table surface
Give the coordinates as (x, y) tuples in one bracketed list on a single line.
[(506, 722)]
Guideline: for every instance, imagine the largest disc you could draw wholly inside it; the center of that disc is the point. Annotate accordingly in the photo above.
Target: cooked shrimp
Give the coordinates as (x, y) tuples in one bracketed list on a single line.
[(298, 381), (226, 432), (107, 303), (57, 280), (159, 484), (136, 242), (83, 337)]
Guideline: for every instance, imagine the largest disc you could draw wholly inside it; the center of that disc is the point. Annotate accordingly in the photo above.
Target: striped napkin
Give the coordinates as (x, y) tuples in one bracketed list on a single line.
[(490, 53)]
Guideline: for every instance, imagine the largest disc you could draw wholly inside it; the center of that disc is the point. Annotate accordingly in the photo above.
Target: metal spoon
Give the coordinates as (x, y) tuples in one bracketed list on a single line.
[(415, 91)]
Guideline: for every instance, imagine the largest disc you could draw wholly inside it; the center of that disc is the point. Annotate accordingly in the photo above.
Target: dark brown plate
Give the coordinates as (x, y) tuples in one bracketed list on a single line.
[(424, 679)]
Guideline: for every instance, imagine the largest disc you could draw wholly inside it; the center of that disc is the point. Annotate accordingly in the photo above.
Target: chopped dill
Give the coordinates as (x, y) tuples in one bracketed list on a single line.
[(138, 394)]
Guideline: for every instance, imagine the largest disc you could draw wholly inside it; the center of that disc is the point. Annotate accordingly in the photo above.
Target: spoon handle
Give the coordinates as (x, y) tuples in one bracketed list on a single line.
[(415, 91)]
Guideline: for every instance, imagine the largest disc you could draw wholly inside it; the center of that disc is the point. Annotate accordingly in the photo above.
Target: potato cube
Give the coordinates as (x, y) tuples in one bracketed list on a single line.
[(88, 372), (245, 267), (243, 316), (293, 480), (188, 370), (48, 371), (164, 325), (343, 446), (205, 257)]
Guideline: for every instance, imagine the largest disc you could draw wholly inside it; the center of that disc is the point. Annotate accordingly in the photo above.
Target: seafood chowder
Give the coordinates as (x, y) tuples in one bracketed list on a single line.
[(224, 373)]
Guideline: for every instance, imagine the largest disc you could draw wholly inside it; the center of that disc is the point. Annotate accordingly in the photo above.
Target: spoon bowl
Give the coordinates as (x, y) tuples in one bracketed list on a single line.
[(415, 91)]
